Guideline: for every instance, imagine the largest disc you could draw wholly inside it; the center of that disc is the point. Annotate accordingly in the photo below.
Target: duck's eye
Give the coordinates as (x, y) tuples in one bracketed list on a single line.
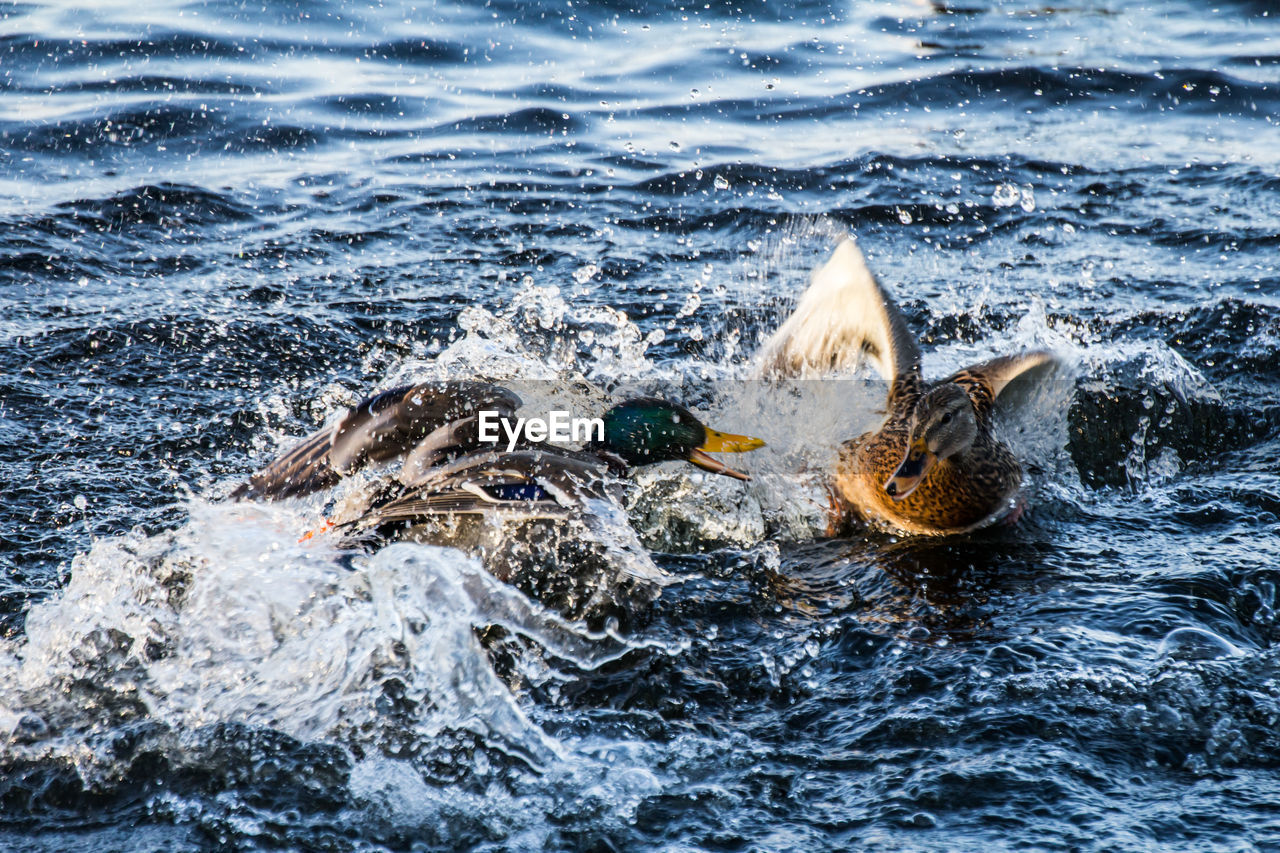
[(946, 419)]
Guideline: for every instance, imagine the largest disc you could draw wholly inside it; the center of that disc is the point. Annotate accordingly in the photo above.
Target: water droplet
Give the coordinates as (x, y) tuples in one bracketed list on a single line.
[(81, 503), (721, 182), (584, 274), (904, 216), (1005, 195)]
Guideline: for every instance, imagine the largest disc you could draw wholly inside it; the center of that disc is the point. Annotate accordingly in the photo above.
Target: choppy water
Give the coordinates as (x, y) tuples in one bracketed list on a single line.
[(221, 223)]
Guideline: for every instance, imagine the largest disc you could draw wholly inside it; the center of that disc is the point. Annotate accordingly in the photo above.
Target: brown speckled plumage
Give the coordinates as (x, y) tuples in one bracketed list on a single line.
[(960, 493), (974, 478)]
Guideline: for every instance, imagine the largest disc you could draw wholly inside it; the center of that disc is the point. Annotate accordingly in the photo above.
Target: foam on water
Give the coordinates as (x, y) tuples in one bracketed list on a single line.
[(229, 620), (226, 223)]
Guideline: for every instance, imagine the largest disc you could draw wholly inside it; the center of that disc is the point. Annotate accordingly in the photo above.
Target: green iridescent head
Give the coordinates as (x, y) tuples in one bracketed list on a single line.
[(645, 430)]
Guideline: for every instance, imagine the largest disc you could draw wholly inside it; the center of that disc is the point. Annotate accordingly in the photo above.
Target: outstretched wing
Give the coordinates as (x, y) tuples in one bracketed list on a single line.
[(844, 313), (987, 380), (380, 428)]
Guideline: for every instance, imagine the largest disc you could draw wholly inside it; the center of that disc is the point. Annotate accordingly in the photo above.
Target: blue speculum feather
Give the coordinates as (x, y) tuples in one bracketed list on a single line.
[(219, 232), (518, 492)]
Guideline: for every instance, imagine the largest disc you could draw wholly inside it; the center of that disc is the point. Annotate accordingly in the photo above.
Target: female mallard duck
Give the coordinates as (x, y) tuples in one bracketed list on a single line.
[(534, 513), (934, 466)]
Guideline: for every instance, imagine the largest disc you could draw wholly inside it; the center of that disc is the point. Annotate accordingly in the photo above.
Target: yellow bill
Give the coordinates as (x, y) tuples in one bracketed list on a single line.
[(723, 442), (727, 442)]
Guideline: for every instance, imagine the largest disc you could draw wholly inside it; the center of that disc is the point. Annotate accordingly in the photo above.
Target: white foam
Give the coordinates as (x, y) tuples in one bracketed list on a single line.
[(230, 620)]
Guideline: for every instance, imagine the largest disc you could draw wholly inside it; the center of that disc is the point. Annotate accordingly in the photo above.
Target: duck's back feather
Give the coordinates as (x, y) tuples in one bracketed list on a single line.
[(541, 483), (382, 427)]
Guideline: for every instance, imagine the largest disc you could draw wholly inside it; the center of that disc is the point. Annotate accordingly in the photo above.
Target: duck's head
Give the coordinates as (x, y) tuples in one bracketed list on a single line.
[(644, 430), (943, 424)]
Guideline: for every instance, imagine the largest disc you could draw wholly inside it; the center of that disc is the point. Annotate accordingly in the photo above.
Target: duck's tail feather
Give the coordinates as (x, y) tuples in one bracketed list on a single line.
[(301, 471), (844, 313)]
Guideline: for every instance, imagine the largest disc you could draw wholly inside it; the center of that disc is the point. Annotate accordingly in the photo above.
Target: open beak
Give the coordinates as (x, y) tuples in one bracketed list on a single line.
[(723, 442), (915, 466)]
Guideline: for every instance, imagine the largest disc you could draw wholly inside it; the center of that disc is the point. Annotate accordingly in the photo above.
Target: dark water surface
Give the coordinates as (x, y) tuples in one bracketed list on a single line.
[(221, 222)]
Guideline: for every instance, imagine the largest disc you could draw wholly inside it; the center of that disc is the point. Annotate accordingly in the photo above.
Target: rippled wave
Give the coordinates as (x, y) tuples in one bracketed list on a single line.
[(222, 224)]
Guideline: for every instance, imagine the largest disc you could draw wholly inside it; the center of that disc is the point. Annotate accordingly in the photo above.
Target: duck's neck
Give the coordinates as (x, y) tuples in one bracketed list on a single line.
[(967, 460)]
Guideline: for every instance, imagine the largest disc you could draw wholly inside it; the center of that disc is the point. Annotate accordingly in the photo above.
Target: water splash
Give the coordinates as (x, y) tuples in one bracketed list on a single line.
[(228, 620), (1140, 413)]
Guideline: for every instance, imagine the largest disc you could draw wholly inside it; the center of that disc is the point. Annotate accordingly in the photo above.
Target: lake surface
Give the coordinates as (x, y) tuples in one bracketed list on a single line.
[(221, 223)]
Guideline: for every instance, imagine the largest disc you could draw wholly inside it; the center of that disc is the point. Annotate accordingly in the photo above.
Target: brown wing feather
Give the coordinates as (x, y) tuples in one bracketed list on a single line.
[(574, 476), (424, 507), (557, 483), (391, 423), (381, 427), (446, 443), (987, 380)]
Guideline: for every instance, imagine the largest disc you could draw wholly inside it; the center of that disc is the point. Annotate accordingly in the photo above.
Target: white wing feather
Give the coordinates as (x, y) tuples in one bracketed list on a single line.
[(844, 313)]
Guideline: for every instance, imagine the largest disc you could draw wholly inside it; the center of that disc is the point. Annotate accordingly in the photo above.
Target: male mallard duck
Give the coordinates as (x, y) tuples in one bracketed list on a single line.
[(535, 503), (435, 428), (934, 466)]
